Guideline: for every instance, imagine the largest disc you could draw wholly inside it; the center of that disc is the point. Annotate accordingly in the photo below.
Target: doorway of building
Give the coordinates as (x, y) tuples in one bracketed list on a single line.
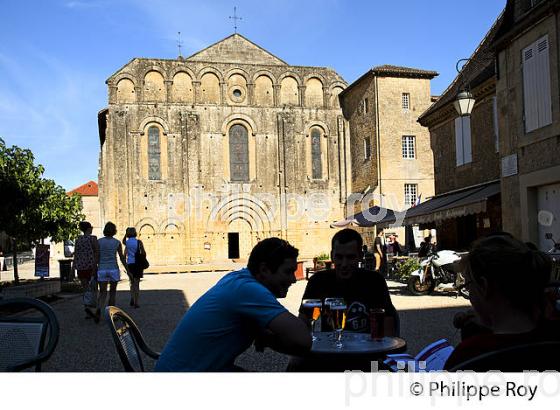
[(548, 215), (240, 243), (233, 245)]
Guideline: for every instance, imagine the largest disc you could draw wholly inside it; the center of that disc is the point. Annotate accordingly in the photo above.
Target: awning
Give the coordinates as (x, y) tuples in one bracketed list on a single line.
[(367, 218), (453, 205)]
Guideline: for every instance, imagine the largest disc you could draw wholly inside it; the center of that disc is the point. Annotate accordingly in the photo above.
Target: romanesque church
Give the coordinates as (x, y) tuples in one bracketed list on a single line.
[(207, 155)]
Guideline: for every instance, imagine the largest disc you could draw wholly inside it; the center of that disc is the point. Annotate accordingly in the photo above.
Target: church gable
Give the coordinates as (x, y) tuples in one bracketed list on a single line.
[(236, 49)]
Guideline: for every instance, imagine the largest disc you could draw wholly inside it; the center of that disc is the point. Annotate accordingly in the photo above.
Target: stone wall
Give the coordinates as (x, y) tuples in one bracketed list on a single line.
[(537, 151), (394, 123), (362, 126), (485, 165), (186, 216)]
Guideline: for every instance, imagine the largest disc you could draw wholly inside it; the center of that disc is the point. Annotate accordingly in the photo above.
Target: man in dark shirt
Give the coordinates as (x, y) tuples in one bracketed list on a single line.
[(361, 289), (426, 247)]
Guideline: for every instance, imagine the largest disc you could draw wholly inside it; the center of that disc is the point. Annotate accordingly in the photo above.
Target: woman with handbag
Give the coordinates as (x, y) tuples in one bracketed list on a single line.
[(86, 254), (136, 262)]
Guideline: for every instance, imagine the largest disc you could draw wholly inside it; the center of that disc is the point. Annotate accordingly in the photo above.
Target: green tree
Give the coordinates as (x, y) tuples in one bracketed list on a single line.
[(32, 207)]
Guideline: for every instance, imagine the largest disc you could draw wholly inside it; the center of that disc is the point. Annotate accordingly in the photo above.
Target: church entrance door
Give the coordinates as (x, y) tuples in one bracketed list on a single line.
[(239, 239), (233, 245)]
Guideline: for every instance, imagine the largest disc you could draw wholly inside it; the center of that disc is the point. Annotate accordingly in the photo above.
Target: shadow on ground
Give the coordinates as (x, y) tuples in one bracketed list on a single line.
[(88, 347)]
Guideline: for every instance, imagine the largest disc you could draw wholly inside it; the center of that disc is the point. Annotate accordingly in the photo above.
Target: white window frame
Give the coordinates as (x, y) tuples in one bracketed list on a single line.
[(537, 98), (410, 194), (405, 101), (463, 140), (409, 146)]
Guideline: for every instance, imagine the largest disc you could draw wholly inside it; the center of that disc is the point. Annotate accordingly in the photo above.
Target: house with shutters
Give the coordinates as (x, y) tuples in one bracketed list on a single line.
[(467, 202), (499, 168), (527, 89)]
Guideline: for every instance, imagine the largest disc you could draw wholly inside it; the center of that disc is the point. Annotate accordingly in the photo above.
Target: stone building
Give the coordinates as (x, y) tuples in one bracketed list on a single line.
[(527, 89), (506, 173), (390, 151), (467, 203), (209, 154), (89, 195)]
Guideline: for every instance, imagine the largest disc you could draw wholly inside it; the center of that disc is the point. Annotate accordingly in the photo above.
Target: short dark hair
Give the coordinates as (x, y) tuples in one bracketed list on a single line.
[(271, 251), (520, 272), (84, 226), (347, 235), (110, 229)]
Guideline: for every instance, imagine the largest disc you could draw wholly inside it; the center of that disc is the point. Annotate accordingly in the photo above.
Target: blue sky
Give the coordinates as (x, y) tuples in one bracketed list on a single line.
[(55, 55)]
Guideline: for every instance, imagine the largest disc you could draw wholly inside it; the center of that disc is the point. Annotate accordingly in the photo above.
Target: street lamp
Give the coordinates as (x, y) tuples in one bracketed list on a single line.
[(464, 102)]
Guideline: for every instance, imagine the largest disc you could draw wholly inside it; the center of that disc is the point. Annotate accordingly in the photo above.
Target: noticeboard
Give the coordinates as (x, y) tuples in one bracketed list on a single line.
[(42, 257)]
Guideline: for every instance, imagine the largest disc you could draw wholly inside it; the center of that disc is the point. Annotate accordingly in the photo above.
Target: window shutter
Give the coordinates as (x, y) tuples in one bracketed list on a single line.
[(543, 82), (467, 141), (458, 141), (530, 88)]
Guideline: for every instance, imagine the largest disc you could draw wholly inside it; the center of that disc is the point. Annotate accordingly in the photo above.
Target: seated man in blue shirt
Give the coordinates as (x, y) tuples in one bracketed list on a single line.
[(240, 308)]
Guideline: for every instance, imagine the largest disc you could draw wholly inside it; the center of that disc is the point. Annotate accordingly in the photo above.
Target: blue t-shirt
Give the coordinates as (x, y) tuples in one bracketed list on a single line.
[(131, 247), (220, 326)]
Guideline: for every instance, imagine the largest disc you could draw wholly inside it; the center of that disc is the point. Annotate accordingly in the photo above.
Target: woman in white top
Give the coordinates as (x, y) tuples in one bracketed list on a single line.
[(135, 271), (108, 270)]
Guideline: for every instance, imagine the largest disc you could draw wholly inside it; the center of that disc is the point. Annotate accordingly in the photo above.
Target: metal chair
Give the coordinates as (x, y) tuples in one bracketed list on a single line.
[(539, 356), (128, 339), (25, 340)]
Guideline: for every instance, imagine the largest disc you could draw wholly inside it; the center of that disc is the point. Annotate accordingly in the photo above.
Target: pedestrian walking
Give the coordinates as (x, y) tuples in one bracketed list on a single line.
[(133, 247), (108, 274), (86, 255)]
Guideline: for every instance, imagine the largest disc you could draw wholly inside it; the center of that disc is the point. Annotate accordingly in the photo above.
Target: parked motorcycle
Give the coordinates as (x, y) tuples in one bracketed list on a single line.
[(439, 269)]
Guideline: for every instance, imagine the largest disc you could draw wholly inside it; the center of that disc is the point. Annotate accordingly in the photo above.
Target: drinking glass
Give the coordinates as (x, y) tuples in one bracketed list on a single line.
[(312, 308), (337, 309)]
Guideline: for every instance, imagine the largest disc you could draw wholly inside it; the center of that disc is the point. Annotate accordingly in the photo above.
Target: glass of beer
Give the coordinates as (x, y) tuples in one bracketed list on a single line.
[(312, 308), (377, 323), (338, 317)]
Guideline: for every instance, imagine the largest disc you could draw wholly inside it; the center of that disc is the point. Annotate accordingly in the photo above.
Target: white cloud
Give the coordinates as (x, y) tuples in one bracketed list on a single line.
[(84, 4)]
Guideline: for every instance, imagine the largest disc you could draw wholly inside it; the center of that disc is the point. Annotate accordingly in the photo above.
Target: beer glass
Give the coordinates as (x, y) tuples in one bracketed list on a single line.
[(327, 310), (377, 323), (312, 308), (337, 308)]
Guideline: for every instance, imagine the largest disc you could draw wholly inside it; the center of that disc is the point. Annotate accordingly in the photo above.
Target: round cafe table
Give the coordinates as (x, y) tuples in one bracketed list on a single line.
[(358, 351)]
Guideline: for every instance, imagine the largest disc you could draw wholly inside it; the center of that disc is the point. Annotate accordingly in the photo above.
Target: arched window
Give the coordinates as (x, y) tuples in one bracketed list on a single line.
[(239, 153), (154, 154), (316, 160)]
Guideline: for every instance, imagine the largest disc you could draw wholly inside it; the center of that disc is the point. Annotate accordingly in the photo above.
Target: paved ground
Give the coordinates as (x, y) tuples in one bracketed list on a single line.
[(85, 346)]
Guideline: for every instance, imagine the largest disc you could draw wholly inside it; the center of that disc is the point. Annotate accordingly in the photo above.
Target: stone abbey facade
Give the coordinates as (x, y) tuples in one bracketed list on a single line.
[(209, 154)]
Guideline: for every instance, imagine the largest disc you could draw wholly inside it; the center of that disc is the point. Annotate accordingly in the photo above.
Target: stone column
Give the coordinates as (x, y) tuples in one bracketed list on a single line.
[(168, 86), (277, 88), (301, 93), (196, 91), (223, 91), (250, 93), (326, 98), (138, 90)]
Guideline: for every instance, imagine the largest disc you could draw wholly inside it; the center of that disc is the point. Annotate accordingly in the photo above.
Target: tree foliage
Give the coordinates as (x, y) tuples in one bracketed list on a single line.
[(32, 207)]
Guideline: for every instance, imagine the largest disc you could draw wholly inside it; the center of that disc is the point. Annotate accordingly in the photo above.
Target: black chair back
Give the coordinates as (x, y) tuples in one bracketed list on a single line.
[(539, 356), (128, 339), (26, 340)]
